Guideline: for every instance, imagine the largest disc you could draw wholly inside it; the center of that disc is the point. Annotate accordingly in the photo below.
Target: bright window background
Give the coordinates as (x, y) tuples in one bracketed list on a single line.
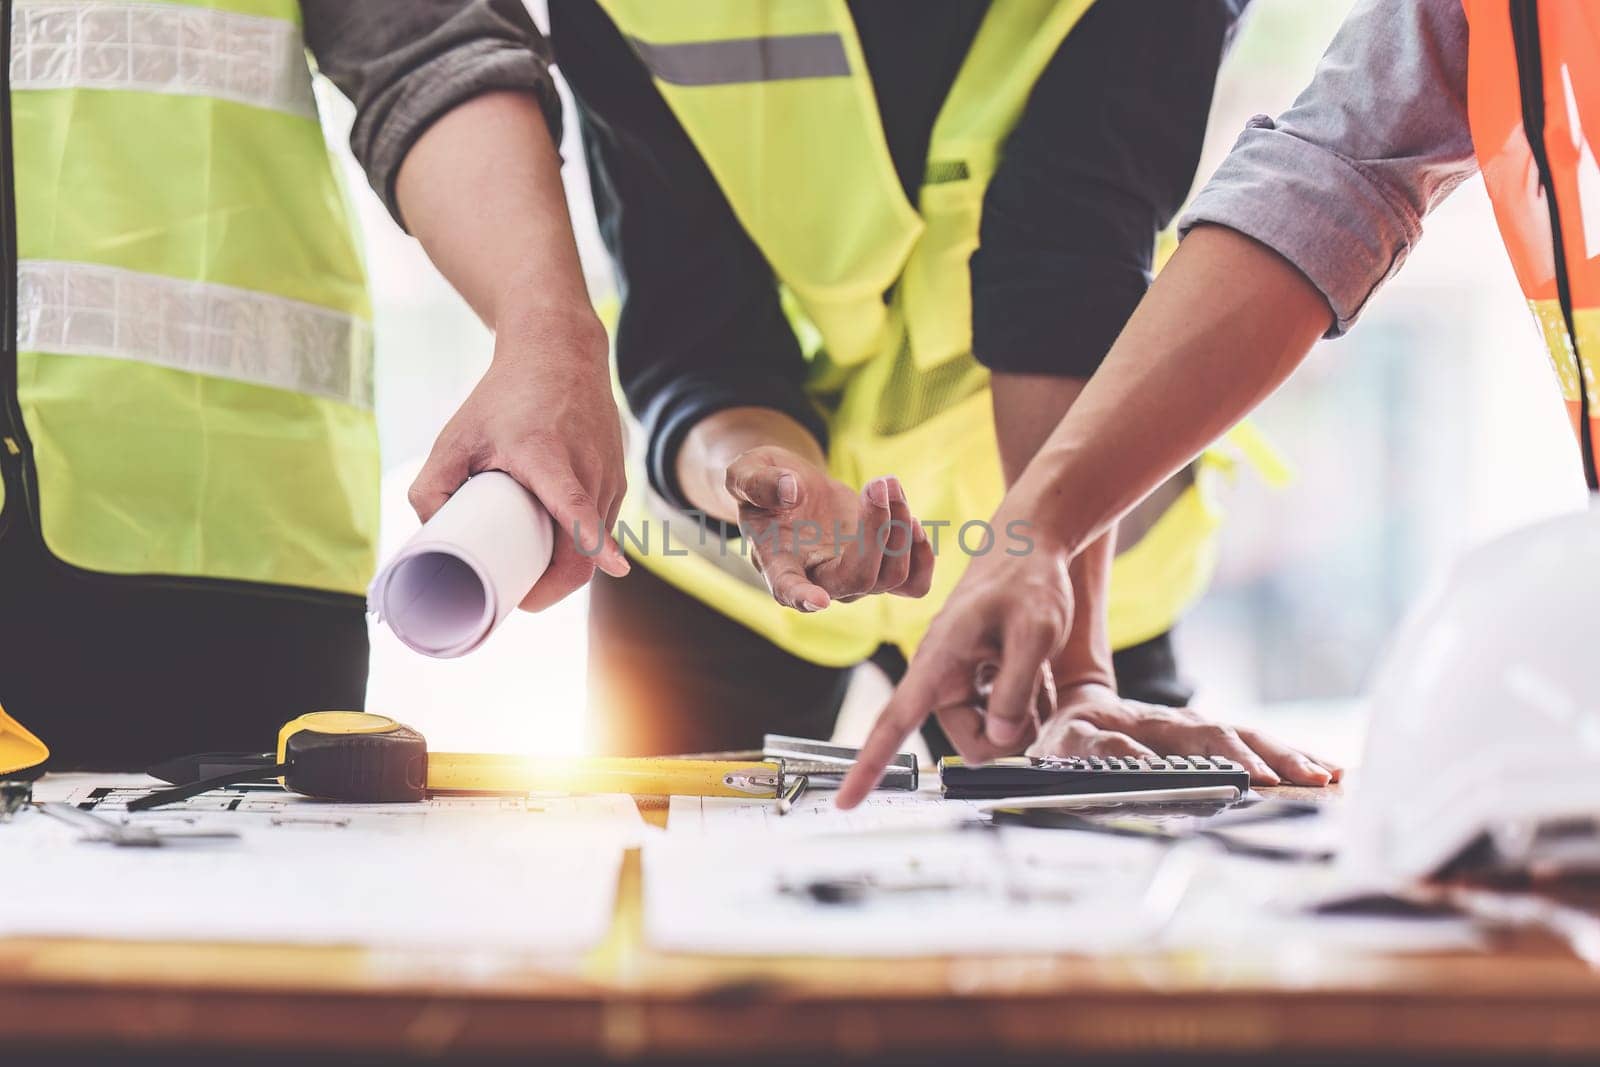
[(523, 691), (1434, 425)]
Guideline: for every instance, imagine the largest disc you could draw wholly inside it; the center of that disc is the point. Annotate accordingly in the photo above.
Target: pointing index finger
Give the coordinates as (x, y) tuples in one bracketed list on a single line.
[(906, 709)]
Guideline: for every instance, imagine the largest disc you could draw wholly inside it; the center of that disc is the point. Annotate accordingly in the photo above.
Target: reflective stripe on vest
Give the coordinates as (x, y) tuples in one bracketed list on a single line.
[(161, 48), (1567, 43), (748, 59), (803, 162), (80, 309), (1564, 356), (194, 368)]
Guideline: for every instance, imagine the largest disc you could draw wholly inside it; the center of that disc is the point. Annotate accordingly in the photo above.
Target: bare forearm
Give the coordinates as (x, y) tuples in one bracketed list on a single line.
[(722, 437), (481, 190), (1224, 325), (1028, 407)]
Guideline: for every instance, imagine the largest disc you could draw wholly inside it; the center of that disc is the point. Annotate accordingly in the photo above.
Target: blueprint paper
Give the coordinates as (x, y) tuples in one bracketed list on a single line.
[(463, 572), (885, 810), (528, 874), (940, 893), (993, 891), (256, 807)]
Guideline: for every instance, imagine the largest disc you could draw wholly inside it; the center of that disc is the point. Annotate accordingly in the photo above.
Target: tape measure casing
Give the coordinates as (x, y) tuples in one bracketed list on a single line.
[(353, 756)]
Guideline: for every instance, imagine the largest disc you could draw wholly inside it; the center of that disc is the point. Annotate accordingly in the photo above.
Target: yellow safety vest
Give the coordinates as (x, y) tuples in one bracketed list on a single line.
[(190, 390), (779, 102)]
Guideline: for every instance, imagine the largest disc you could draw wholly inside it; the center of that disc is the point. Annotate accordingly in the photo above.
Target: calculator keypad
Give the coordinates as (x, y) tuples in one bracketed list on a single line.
[(1047, 775), (1137, 765)]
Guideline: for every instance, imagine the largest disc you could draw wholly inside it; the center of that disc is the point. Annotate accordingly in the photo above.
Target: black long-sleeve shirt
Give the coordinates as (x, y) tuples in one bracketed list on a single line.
[(1100, 161)]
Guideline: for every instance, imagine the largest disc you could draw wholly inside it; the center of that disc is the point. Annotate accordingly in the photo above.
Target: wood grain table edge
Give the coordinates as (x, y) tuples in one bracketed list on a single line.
[(629, 1026)]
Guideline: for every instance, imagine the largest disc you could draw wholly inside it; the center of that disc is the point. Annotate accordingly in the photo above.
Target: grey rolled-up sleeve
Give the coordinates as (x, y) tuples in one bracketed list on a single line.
[(1340, 183), (407, 63)]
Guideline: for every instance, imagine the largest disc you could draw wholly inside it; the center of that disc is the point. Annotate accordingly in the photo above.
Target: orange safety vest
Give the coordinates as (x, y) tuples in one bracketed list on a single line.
[(1533, 92)]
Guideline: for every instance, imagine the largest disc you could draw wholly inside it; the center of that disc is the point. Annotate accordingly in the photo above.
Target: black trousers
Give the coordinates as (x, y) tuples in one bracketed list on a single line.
[(118, 673), (667, 674)]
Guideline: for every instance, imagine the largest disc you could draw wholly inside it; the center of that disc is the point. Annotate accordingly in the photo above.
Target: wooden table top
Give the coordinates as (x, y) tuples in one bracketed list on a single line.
[(624, 1000)]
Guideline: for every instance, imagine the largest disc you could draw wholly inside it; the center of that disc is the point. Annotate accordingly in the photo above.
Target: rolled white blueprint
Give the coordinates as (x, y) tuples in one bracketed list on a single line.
[(464, 571)]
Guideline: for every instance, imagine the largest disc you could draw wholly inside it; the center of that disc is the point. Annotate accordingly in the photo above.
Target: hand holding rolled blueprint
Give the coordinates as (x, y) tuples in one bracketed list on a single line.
[(464, 571)]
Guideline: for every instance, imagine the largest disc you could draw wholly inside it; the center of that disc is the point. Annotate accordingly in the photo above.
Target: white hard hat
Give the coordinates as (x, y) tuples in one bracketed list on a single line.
[(1484, 742)]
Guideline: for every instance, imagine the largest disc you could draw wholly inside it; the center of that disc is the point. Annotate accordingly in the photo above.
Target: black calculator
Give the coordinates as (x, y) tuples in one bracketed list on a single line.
[(1041, 776)]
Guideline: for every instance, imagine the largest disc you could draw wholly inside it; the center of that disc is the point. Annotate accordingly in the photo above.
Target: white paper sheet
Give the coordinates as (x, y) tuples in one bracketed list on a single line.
[(938, 893), (882, 811), (613, 818), (518, 874), (976, 891), (464, 571), (1255, 909)]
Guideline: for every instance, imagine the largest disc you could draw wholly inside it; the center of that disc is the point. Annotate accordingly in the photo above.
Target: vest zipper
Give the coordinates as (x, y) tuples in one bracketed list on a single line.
[(1530, 78), (16, 452)]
